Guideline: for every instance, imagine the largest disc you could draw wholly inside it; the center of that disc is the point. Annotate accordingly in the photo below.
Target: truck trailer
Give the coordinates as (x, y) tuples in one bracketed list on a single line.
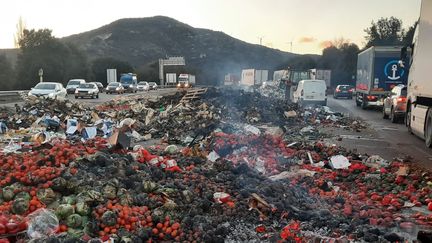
[(321, 74), (418, 57), (377, 73), (252, 77)]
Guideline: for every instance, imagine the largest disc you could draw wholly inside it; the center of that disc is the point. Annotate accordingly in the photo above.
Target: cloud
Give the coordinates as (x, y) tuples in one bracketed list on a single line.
[(325, 44), (306, 39)]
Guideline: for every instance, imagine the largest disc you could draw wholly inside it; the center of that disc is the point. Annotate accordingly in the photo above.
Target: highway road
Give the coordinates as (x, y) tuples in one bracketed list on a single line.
[(103, 97), (384, 138)]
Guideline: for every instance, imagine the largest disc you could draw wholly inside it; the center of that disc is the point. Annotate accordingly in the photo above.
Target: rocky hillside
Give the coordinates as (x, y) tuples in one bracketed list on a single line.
[(142, 41)]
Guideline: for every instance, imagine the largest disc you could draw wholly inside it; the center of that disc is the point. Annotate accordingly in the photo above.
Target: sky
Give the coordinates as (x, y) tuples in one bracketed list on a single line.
[(303, 26)]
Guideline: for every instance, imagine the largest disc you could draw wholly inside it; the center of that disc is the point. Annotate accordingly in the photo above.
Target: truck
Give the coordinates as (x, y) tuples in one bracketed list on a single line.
[(111, 75), (417, 57), (252, 77), (186, 80), (171, 78), (278, 75), (321, 74), (231, 79), (377, 73), (129, 82)]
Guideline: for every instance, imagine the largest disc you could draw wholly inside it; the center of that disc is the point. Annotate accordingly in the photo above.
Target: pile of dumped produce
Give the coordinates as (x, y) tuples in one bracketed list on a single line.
[(243, 169)]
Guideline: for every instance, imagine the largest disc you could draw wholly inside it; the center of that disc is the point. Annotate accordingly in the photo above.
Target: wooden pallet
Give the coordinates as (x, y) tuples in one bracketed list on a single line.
[(193, 94)]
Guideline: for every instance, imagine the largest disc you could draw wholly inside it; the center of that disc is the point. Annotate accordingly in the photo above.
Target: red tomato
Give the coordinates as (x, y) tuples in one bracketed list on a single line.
[(430, 206)]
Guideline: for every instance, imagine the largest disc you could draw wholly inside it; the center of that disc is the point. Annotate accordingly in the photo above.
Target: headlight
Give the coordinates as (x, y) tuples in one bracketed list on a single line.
[(178, 85), (118, 88), (51, 95), (76, 91)]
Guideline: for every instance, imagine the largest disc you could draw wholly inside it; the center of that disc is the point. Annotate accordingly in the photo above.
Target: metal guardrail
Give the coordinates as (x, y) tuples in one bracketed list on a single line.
[(8, 95)]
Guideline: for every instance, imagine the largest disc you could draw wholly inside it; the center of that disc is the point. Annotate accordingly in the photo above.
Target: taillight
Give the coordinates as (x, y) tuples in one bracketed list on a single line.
[(401, 99), (337, 90), (302, 93), (370, 97), (351, 90)]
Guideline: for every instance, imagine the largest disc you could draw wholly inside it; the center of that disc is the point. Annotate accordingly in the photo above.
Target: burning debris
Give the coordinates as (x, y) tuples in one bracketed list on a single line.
[(232, 166)]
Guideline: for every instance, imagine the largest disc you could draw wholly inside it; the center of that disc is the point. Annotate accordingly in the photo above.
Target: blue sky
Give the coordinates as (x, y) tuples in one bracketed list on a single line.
[(308, 24)]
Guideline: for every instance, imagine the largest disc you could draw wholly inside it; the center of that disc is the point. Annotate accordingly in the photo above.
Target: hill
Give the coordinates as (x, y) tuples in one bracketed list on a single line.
[(142, 41)]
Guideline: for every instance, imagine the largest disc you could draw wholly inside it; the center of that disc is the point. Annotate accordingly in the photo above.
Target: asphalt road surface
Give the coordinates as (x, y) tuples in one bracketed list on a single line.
[(383, 138), (103, 97)]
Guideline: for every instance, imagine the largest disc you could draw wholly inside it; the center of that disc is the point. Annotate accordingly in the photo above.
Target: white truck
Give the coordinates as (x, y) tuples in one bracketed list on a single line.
[(419, 100), (171, 78), (321, 74), (252, 77), (111, 75), (186, 80), (278, 75)]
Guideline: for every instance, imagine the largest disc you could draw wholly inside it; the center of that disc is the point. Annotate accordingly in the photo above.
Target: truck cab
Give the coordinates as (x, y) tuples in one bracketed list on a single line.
[(186, 81), (418, 117), (129, 82)]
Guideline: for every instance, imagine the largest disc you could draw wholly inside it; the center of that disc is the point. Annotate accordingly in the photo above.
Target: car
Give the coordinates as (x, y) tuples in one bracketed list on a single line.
[(153, 85), (345, 91), (100, 86), (73, 84), (129, 82), (51, 90), (311, 92), (395, 103), (87, 90), (143, 86), (115, 87)]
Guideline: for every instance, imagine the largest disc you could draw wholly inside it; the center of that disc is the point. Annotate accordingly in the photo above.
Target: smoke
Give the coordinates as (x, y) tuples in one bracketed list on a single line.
[(325, 44), (306, 39)]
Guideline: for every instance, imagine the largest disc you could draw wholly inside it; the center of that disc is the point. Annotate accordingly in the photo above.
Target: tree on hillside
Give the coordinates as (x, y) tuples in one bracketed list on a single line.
[(39, 49), (100, 65), (341, 58), (21, 26), (409, 34), (388, 31), (7, 74)]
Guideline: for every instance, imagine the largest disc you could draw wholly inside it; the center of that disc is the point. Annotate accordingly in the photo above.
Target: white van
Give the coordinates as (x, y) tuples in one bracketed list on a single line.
[(73, 84), (311, 92)]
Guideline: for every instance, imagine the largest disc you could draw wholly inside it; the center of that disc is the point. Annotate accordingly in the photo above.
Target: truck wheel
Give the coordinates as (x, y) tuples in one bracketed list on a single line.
[(364, 103), (385, 116), (393, 117), (428, 129), (357, 101), (408, 118)]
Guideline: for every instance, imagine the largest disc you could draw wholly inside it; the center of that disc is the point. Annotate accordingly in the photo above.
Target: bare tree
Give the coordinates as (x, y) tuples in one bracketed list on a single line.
[(21, 26)]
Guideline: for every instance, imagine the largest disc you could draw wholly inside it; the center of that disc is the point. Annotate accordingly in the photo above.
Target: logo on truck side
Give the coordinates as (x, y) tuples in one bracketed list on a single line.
[(393, 71)]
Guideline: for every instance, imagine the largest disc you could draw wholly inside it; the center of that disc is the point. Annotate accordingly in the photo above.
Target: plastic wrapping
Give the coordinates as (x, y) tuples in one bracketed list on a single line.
[(42, 223)]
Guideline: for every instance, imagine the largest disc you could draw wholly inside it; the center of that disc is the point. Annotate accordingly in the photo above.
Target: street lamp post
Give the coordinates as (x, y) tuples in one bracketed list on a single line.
[(41, 75)]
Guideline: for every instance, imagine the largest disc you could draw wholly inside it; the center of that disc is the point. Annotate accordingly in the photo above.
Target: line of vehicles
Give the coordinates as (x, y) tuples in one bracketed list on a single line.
[(82, 89)]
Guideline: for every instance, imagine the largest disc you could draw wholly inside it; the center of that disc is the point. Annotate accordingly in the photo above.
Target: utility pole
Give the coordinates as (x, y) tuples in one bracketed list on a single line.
[(291, 44), (260, 39), (40, 75)]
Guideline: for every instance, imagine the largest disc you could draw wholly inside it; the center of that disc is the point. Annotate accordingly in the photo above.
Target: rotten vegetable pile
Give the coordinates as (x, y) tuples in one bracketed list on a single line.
[(232, 166)]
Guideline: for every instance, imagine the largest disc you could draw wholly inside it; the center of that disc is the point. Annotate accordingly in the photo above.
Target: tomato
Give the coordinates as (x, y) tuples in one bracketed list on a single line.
[(430, 206), (2, 229), (12, 227)]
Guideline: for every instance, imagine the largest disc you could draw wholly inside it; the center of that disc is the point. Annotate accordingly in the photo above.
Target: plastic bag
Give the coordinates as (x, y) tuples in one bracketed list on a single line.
[(42, 223)]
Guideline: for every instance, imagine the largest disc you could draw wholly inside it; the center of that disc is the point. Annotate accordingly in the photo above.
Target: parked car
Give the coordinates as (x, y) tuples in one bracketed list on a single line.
[(100, 86), (395, 104), (153, 85), (143, 86), (49, 90), (114, 87), (87, 90), (345, 91), (311, 92), (73, 84)]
